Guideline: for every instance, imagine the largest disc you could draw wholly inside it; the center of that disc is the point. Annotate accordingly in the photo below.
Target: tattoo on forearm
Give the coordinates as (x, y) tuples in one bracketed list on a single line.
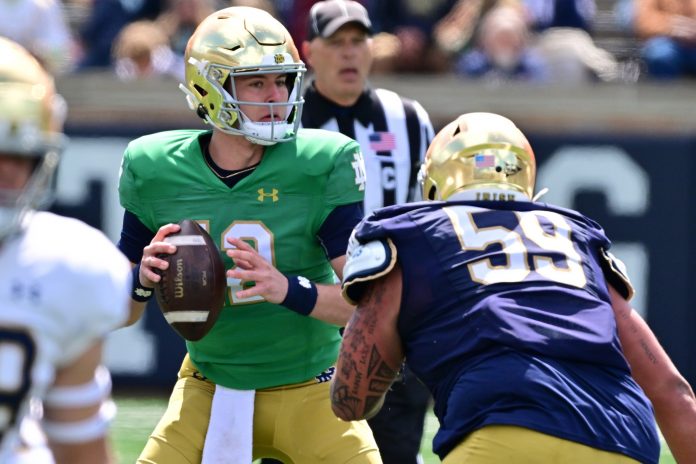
[(346, 404), (648, 352), (363, 376)]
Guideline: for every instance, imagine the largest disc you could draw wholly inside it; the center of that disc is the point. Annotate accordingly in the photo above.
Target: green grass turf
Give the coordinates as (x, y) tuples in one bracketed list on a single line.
[(137, 416)]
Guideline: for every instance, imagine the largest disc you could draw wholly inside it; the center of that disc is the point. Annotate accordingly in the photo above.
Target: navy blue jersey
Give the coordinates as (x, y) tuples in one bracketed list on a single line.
[(506, 317)]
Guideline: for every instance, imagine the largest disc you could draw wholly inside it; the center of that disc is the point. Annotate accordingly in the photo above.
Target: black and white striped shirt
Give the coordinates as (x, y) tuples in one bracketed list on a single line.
[(393, 132)]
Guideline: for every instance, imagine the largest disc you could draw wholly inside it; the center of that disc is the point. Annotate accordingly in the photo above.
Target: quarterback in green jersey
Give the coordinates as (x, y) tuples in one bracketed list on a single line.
[(280, 203)]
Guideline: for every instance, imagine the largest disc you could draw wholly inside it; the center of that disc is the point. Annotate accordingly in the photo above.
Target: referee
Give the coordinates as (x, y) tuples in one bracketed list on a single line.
[(393, 131), (394, 134)]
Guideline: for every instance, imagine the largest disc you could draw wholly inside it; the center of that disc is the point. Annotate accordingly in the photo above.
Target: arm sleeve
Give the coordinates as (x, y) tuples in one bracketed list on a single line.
[(134, 237), (337, 227)]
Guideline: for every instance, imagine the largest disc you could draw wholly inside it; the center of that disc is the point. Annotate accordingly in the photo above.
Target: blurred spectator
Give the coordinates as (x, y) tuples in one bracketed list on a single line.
[(456, 33), (563, 39), (572, 57), (385, 49), (142, 50), (293, 13), (268, 6), (502, 51), (412, 23), (506, 47), (106, 20), (624, 15), (669, 27), (179, 20), (546, 14), (41, 27)]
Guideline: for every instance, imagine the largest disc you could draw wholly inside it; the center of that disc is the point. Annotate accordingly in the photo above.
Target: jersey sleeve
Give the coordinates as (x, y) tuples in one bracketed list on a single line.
[(615, 273), (346, 183), (109, 286), (365, 262), (613, 268), (371, 254), (142, 168), (127, 184), (94, 288)]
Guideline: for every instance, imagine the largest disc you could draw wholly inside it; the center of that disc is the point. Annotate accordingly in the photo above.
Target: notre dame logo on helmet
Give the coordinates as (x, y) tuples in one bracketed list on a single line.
[(279, 58)]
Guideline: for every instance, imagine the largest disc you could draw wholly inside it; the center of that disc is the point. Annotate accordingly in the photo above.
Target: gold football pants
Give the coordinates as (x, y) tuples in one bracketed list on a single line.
[(494, 444), (293, 423)]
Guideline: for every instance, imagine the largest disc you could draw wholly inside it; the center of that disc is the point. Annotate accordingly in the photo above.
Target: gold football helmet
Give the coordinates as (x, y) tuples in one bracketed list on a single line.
[(240, 41), (31, 124), (478, 150)]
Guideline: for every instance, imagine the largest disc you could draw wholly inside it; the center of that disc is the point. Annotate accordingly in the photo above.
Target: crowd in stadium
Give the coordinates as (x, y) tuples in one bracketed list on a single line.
[(529, 40)]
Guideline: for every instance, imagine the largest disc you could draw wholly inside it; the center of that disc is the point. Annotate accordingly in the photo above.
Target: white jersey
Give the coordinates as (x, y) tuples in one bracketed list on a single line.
[(63, 286)]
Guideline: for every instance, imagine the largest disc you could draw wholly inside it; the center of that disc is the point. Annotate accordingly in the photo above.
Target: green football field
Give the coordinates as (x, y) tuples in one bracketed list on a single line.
[(138, 415)]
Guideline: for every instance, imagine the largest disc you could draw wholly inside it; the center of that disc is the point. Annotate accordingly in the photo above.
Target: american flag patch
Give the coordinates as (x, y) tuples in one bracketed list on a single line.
[(484, 161), (382, 141)]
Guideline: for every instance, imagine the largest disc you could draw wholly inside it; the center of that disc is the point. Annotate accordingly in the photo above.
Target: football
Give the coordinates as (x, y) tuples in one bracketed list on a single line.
[(191, 293)]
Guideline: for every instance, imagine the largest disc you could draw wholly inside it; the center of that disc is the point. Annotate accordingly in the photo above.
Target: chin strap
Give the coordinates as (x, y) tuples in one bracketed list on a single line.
[(191, 99)]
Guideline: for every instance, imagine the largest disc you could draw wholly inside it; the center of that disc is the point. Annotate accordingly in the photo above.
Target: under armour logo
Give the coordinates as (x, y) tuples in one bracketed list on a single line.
[(304, 282), (263, 195)]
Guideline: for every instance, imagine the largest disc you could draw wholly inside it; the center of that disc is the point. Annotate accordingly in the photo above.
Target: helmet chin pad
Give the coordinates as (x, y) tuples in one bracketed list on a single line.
[(265, 133)]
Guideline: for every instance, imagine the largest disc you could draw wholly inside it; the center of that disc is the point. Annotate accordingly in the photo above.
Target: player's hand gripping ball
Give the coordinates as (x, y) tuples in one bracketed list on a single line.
[(191, 293)]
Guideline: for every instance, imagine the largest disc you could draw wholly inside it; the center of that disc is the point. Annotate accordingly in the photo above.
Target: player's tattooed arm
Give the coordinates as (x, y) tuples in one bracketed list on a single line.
[(671, 395), (371, 352)]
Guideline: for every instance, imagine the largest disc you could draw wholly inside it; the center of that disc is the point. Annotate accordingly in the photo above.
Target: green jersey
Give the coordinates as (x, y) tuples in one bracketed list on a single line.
[(278, 209)]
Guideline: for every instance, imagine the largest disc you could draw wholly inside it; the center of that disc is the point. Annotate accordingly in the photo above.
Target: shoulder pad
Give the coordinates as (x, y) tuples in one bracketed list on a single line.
[(365, 262), (615, 273)]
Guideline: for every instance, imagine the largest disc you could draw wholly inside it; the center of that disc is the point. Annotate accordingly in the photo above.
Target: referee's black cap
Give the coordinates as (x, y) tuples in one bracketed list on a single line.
[(327, 16)]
